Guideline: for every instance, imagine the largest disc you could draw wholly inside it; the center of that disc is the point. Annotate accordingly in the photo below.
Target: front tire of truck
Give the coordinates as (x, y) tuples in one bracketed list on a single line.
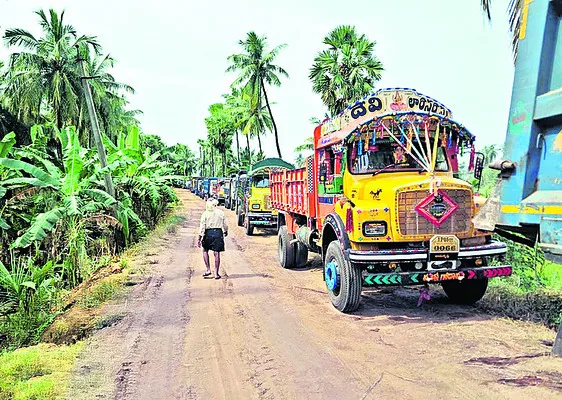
[(466, 291), (343, 279), (286, 249), (248, 227)]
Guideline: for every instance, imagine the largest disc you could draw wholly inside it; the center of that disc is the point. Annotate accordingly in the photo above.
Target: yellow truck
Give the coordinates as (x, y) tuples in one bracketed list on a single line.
[(256, 208), (380, 202)]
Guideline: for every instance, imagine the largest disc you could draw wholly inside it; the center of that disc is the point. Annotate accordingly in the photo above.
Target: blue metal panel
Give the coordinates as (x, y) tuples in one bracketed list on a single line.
[(534, 135)]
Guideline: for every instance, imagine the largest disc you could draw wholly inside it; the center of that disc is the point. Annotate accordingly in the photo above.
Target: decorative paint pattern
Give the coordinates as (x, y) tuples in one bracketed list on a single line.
[(416, 278)]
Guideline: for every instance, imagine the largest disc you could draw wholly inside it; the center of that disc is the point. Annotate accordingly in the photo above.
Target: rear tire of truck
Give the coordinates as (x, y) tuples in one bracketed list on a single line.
[(343, 279), (466, 291), (286, 249), (301, 256)]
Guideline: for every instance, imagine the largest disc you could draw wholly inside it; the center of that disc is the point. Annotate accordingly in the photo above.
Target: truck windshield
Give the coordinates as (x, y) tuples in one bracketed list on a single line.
[(261, 181), (390, 157)]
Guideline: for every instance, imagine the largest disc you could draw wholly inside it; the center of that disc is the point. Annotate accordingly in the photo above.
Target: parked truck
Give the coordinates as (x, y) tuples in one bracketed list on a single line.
[(256, 207), (380, 202), (529, 201)]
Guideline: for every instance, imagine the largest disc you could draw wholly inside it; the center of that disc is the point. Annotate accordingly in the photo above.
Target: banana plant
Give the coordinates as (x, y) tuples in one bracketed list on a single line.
[(72, 194)]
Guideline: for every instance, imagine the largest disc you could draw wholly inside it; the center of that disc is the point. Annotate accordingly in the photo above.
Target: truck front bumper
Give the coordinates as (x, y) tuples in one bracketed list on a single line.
[(414, 255), (422, 277), (265, 220)]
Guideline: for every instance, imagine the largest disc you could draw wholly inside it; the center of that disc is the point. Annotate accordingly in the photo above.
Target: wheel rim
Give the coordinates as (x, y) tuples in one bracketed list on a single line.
[(331, 274)]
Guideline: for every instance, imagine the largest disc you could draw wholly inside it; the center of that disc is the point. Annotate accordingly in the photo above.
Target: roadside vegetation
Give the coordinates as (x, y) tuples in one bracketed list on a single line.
[(58, 225)]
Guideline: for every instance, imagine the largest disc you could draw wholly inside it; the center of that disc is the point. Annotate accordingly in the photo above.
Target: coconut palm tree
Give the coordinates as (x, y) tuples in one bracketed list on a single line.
[(514, 12), (44, 78), (220, 130), (256, 70), (347, 70)]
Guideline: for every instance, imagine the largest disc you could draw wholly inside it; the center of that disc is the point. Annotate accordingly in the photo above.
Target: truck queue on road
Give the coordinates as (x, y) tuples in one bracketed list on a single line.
[(380, 200)]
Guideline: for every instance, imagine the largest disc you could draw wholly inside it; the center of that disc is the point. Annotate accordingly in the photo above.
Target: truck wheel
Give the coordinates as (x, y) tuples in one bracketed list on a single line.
[(343, 279), (249, 228), (301, 256), (286, 249), (240, 221), (465, 291)]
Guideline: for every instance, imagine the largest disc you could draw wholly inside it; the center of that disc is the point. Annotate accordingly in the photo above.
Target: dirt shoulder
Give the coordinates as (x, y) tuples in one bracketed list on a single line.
[(266, 332)]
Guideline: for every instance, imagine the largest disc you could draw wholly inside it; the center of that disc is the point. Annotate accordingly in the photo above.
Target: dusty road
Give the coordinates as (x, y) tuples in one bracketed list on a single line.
[(265, 332)]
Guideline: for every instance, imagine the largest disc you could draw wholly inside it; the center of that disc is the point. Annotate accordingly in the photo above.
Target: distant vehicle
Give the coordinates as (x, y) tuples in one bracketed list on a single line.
[(224, 192), (256, 209), (232, 197)]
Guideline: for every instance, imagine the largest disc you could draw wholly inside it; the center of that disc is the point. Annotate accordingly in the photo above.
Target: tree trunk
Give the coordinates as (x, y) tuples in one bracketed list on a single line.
[(272, 120), (202, 158), (224, 164), (259, 142), (237, 147), (249, 153)]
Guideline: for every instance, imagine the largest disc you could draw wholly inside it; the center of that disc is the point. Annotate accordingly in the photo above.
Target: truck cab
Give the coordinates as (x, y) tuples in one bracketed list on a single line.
[(380, 202), (224, 191), (257, 210)]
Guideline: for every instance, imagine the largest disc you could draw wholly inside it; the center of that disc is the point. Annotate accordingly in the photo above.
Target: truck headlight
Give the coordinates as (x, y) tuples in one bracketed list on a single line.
[(374, 228), (255, 206)]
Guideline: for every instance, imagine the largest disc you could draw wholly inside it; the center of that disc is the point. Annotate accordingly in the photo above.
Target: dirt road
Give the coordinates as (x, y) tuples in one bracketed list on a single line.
[(265, 332)]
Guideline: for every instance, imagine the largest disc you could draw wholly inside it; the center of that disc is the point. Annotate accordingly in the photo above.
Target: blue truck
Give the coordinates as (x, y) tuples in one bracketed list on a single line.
[(528, 204), (530, 192)]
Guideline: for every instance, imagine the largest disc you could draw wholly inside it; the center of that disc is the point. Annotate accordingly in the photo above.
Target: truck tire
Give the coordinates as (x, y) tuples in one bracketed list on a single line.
[(286, 249), (240, 220), (249, 228), (466, 291), (343, 279), (301, 255)]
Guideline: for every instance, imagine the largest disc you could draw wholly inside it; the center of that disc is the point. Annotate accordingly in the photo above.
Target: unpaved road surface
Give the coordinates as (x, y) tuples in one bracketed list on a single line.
[(262, 332)]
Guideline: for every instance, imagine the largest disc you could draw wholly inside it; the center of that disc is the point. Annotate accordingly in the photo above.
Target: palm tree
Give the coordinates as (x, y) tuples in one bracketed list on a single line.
[(256, 69), (514, 12), (45, 78), (110, 103), (220, 131), (347, 70)]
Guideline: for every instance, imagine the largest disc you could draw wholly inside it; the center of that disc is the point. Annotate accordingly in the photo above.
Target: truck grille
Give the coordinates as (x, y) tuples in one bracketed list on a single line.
[(412, 223)]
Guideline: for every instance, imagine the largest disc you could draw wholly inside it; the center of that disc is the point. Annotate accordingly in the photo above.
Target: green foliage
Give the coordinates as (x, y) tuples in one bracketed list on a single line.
[(347, 70), (256, 69)]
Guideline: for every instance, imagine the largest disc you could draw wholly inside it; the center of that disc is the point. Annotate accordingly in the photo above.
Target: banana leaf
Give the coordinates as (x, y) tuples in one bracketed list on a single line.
[(40, 227), (22, 182), (18, 165), (7, 143)]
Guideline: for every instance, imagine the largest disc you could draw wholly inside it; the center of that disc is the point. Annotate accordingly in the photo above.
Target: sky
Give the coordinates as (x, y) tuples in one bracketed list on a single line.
[(174, 53)]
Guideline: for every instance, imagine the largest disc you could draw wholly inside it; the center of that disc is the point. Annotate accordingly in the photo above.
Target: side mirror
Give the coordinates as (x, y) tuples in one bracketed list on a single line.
[(478, 168)]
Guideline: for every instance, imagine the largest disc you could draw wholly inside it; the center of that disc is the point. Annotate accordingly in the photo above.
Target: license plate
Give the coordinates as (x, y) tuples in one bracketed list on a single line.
[(444, 248)]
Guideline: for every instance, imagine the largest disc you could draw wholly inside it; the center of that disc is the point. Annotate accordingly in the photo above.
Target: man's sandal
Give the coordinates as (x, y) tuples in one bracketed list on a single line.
[(206, 274)]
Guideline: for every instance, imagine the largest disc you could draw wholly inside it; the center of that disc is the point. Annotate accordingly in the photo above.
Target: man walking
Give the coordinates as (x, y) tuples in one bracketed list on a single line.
[(212, 231)]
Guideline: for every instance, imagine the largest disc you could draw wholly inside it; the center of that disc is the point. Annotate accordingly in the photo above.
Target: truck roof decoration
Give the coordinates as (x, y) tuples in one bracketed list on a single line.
[(270, 164), (394, 113)]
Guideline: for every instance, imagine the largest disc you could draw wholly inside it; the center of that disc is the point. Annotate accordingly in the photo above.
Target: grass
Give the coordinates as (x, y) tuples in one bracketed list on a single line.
[(98, 294), (38, 372), (533, 292)]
